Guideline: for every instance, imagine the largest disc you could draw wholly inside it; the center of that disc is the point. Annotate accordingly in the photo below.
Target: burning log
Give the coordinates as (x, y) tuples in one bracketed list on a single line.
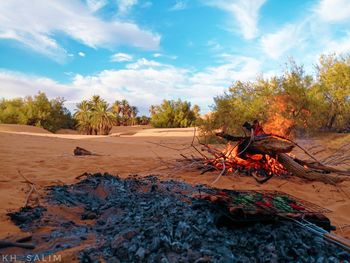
[(264, 155), (267, 143)]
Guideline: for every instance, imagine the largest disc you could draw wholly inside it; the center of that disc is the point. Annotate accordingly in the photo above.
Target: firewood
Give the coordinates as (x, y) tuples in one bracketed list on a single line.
[(78, 151), (271, 145), (321, 167), (268, 144), (302, 172), (273, 159)]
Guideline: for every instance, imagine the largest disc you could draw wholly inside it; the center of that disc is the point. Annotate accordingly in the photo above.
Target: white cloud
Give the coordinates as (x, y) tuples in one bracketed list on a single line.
[(313, 34), (142, 63), (339, 46), (121, 57), (82, 54), (158, 55), (15, 84), (179, 5), (278, 43), (214, 45), (143, 83), (124, 6), (34, 24), (245, 12), (95, 5), (333, 10)]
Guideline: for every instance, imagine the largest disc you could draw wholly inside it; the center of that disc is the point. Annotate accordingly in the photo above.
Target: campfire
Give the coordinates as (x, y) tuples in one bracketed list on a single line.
[(263, 155)]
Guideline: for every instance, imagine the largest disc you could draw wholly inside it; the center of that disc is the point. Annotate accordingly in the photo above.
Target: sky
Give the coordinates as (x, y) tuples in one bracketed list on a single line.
[(149, 50)]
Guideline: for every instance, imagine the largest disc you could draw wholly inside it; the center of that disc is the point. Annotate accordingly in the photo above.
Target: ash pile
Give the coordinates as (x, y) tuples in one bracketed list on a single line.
[(104, 218)]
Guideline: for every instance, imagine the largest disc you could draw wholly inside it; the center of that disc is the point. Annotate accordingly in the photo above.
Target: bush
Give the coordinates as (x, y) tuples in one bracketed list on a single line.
[(293, 103), (174, 114), (37, 111)]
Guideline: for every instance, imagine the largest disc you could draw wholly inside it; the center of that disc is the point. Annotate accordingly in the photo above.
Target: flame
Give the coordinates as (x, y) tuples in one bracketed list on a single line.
[(261, 164), (277, 123)]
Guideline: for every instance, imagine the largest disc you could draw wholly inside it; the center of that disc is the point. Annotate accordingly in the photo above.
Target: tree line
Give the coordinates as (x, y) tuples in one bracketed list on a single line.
[(94, 116), (291, 103)]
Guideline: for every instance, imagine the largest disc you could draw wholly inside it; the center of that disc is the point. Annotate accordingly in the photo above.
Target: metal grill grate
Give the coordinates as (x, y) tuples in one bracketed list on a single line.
[(273, 202)]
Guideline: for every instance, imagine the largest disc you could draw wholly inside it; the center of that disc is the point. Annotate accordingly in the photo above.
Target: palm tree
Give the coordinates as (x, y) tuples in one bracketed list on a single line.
[(125, 111), (153, 110), (117, 109), (83, 117), (96, 100), (102, 119), (144, 120), (94, 116), (133, 113)]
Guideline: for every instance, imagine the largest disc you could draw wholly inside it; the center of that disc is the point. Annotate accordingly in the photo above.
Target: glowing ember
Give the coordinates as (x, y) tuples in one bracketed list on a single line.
[(262, 165)]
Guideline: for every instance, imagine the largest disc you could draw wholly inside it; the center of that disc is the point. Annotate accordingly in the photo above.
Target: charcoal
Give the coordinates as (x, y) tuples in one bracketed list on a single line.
[(27, 215), (147, 220), (140, 253)]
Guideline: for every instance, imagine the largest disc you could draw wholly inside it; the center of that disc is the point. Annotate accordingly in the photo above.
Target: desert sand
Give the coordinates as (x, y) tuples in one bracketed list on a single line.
[(47, 159)]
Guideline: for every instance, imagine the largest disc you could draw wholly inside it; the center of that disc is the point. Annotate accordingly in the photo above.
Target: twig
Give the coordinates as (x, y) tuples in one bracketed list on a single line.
[(171, 148), (303, 149), (5, 243), (28, 195), (32, 189), (25, 178), (83, 174), (249, 143), (222, 172), (261, 180)]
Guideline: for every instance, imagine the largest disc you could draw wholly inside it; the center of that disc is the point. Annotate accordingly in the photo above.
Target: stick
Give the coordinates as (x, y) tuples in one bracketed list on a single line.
[(5, 243), (222, 172), (32, 188), (322, 167), (83, 174), (28, 195)]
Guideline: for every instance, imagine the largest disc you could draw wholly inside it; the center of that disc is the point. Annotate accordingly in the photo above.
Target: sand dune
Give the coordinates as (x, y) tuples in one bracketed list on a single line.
[(22, 128), (48, 159)]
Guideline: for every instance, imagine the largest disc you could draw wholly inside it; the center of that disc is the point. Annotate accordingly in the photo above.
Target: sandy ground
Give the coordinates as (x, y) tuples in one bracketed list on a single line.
[(47, 159)]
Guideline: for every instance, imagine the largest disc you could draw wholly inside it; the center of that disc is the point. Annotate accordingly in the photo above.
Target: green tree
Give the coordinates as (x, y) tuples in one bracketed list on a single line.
[(173, 114), (125, 112), (37, 111), (102, 119), (117, 109), (133, 114), (333, 91), (13, 111), (83, 117), (94, 116)]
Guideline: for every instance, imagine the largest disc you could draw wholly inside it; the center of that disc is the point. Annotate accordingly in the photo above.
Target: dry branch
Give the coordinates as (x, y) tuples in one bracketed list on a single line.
[(5, 243), (32, 189), (302, 172)]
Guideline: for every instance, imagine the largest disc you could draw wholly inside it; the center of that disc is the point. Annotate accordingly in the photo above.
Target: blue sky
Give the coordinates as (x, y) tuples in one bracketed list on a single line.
[(148, 50)]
